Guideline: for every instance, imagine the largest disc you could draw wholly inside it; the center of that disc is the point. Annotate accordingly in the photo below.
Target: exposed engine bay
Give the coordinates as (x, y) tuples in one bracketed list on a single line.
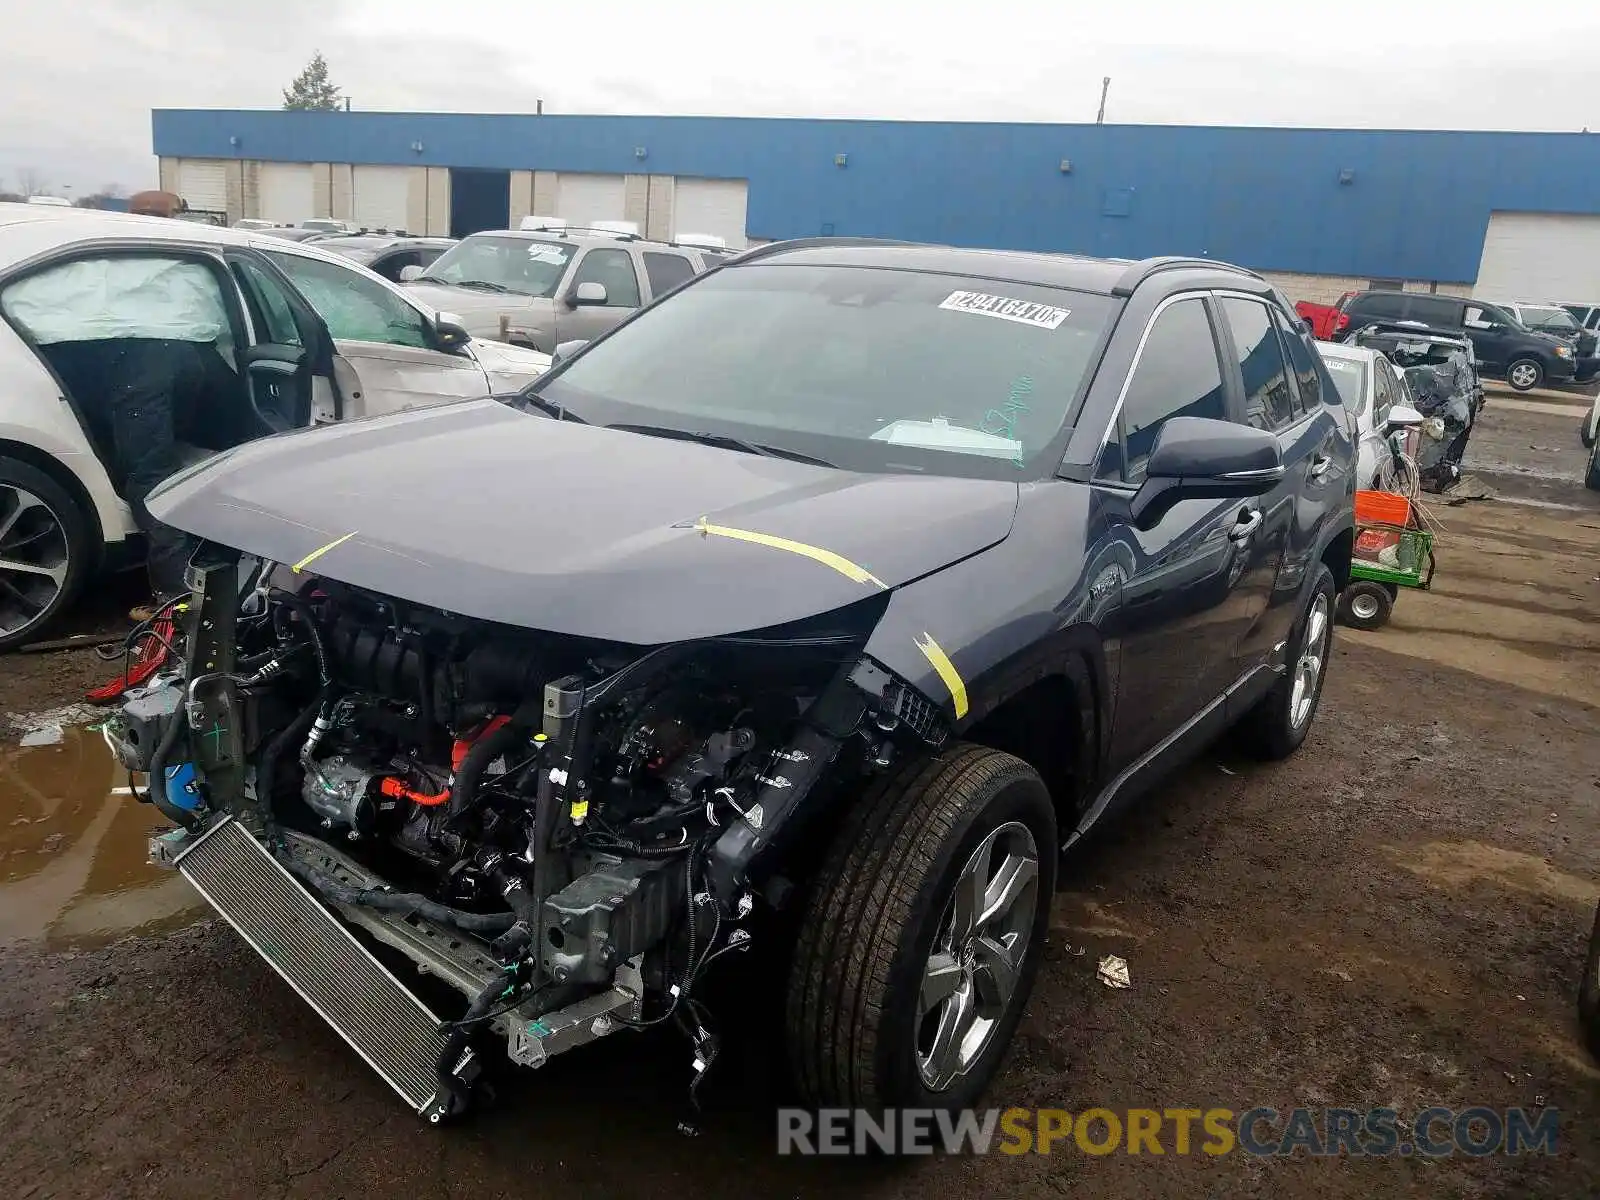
[(566, 832)]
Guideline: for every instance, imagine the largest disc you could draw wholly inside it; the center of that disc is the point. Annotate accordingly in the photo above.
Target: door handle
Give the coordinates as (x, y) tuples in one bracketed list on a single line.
[(1319, 466), (1248, 522)]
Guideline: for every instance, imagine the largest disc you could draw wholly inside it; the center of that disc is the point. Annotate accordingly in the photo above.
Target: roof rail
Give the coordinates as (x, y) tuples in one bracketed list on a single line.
[(807, 243), (1146, 267), (557, 230)]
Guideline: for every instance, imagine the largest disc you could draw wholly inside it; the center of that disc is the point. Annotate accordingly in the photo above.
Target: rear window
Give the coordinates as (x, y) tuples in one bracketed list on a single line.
[(869, 369), (1374, 306), (1432, 311), (666, 271)]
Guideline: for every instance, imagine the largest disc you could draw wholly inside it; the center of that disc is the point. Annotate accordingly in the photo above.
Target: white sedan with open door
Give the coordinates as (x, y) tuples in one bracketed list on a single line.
[(287, 336)]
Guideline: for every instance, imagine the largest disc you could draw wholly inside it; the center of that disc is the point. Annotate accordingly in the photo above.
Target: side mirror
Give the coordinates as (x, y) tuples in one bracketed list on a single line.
[(1199, 458), (451, 333), (408, 273), (566, 350), (587, 295), (1403, 416)]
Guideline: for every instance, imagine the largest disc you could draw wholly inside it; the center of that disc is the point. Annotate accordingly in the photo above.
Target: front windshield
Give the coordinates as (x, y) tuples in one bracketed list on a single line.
[(865, 368), (1555, 320), (527, 266), (1350, 377)]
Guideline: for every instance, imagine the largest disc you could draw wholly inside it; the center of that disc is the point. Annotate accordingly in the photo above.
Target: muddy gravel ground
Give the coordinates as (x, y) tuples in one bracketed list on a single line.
[(1396, 917)]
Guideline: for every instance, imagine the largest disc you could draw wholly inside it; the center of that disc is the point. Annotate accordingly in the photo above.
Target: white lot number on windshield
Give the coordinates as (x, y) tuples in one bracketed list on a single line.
[(1024, 312)]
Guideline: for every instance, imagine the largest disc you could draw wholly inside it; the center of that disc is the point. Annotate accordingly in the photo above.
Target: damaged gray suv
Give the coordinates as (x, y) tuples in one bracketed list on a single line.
[(829, 599)]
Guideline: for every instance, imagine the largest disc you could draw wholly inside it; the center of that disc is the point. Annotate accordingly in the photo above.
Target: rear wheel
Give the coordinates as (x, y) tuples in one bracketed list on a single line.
[(1365, 605), (924, 934), (1525, 374), (1279, 722), (45, 550), (1591, 474)]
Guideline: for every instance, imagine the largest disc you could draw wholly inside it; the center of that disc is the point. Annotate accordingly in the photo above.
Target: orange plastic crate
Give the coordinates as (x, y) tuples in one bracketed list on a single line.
[(1382, 508)]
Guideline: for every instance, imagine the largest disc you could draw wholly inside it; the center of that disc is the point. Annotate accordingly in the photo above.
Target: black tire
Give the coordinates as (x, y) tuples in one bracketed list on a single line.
[(1529, 370), (71, 543), (1589, 990), (1591, 473), (1366, 605), (1278, 724), (882, 900)]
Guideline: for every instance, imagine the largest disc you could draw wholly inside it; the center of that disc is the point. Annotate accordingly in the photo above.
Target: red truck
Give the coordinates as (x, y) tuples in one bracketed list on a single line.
[(1327, 320)]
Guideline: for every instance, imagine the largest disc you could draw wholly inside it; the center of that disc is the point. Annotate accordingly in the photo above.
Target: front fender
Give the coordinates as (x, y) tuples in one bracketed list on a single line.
[(974, 634)]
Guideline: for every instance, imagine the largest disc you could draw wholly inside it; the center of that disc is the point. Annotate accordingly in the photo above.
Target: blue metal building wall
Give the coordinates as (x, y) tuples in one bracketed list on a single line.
[(1417, 206)]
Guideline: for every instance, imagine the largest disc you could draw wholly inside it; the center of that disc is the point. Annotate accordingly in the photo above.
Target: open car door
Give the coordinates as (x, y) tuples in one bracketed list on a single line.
[(289, 367)]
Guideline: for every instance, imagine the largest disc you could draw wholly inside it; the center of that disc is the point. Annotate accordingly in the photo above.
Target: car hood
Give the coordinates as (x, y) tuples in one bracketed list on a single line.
[(489, 512), (509, 368), (475, 306)]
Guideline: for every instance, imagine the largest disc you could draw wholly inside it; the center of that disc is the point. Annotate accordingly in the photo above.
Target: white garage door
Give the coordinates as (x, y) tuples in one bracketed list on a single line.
[(585, 199), (711, 206), (380, 197), (286, 192), (203, 182), (1540, 256)]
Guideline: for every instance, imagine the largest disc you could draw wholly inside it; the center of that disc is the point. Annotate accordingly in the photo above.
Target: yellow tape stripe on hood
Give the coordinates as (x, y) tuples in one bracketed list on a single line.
[(318, 553), (827, 557), (934, 653)]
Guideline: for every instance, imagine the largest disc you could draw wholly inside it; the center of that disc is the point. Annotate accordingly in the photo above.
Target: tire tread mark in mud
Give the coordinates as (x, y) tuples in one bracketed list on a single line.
[(863, 902)]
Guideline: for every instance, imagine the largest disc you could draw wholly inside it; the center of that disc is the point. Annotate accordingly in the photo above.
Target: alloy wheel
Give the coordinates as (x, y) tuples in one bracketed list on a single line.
[(971, 977), (34, 558), (1524, 375), (1313, 657)]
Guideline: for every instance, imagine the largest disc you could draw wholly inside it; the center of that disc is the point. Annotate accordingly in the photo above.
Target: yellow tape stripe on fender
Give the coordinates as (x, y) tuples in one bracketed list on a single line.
[(934, 653), (318, 553), (828, 558)]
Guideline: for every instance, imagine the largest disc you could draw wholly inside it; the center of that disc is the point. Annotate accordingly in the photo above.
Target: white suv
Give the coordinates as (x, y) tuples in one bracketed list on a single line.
[(314, 338)]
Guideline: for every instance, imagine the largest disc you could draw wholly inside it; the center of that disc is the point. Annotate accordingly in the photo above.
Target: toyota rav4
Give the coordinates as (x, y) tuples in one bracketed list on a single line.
[(836, 594)]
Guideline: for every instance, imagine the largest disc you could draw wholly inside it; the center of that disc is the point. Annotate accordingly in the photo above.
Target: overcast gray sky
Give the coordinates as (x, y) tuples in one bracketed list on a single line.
[(81, 76)]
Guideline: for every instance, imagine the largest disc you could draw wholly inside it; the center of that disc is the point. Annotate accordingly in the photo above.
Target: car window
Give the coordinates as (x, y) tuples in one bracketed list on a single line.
[(869, 369), (500, 262), (1376, 306), (354, 307), (1178, 375), (1549, 318), (1268, 403), (614, 270), (1303, 358), (1350, 378), (666, 271), (119, 296), (1481, 316), (1383, 393), (1431, 310), (269, 306), (390, 265)]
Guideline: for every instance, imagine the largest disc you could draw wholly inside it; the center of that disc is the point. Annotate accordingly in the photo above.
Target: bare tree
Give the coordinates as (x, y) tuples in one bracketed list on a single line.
[(30, 181)]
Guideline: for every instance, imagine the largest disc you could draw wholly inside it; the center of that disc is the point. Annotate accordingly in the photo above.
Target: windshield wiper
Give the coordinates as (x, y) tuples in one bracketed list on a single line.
[(549, 407), (482, 283), (726, 442)]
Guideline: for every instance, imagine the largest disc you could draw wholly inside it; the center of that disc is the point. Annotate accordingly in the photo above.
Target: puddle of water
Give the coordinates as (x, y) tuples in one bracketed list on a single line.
[(73, 870), (1457, 864)]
